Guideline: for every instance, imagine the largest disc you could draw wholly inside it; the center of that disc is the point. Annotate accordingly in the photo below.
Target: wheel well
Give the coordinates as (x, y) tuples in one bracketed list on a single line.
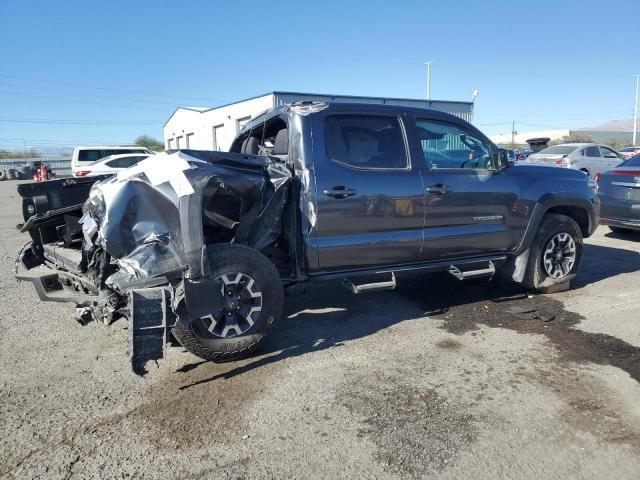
[(586, 171), (578, 214), (222, 214)]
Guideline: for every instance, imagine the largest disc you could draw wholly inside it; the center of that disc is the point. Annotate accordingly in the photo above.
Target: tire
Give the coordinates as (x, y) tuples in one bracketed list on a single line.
[(557, 228), (620, 230), (3, 175), (236, 334)]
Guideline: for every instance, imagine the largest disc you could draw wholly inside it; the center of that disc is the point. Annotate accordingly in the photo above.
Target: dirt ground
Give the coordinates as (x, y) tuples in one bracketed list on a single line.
[(438, 379)]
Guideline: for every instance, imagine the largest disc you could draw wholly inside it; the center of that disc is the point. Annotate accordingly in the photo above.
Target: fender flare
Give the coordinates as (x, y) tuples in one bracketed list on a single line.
[(549, 201), (515, 267)]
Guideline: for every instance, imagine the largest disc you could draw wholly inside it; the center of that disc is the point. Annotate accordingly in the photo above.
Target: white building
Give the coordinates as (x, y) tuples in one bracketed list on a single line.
[(215, 128)]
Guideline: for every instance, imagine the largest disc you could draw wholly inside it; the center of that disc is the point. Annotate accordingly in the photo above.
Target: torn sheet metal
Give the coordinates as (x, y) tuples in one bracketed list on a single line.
[(150, 217), (161, 168)]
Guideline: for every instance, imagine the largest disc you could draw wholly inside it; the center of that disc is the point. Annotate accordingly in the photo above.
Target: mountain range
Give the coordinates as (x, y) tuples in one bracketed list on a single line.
[(613, 126)]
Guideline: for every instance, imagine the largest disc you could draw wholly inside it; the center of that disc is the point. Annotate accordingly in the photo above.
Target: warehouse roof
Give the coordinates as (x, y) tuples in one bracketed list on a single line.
[(352, 97)]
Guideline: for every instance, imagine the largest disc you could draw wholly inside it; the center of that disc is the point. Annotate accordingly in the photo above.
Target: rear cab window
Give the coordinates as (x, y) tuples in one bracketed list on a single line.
[(366, 142), (124, 162), (558, 150)]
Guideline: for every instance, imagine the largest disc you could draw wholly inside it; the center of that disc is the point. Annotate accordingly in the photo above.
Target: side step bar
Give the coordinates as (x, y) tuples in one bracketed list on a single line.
[(489, 270), (370, 287)]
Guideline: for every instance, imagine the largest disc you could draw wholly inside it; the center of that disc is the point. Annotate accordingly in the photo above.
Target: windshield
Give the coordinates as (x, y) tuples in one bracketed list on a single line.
[(557, 150)]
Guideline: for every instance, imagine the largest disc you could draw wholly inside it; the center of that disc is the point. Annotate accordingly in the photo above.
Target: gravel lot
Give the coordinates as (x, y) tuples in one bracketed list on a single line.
[(439, 379)]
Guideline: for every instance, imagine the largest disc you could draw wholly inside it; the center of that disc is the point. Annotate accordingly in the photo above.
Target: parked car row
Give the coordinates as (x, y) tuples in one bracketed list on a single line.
[(628, 152), (590, 158)]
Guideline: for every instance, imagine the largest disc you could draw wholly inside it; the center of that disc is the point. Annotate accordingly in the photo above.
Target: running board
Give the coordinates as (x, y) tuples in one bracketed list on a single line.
[(489, 270), (370, 287)]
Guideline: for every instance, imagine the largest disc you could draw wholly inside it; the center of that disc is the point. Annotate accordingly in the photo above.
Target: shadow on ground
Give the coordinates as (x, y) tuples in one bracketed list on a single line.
[(328, 315), (600, 262)]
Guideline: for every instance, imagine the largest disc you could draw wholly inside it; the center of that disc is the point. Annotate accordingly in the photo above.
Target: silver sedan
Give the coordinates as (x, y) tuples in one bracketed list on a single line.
[(589, 158)]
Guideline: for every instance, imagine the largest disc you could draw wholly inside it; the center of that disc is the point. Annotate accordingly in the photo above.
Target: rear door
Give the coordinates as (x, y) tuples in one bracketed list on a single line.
[(471, 206), (370, 201), (610, 158), (593, 160)]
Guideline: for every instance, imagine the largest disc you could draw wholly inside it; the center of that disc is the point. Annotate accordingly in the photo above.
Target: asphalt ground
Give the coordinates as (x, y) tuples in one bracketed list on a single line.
[(437, 379)]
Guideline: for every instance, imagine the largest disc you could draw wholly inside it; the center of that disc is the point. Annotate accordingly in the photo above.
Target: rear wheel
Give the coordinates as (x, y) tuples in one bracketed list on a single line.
[(253, 300), (620, 230), (556, 253)]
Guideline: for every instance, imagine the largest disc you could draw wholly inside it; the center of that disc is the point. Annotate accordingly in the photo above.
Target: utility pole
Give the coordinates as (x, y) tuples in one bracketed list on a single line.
[(428, 64), (635, 112), (513, 134)]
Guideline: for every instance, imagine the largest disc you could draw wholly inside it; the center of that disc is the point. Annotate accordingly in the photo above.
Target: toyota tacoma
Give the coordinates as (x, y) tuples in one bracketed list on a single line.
[(198, 247)]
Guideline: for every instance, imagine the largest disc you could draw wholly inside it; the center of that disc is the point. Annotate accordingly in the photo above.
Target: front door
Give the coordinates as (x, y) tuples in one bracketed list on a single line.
[(610, 158), (370, 201), (471, 205)]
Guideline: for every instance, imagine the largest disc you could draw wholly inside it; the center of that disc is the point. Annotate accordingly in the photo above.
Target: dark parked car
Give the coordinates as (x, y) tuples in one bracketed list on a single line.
[(204, 243), (619, 190)]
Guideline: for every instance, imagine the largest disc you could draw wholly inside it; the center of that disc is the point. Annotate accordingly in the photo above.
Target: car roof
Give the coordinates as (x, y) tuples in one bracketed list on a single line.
[(328, 106)]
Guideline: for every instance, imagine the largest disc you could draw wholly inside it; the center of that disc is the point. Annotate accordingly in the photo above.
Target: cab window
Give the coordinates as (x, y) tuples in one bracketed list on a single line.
[(369, 142), (445, 145)]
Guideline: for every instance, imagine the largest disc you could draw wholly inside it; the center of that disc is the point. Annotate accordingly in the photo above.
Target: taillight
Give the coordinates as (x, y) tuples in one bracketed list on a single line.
[(81, 173), (626, 172), (596, 177), (558, 162)]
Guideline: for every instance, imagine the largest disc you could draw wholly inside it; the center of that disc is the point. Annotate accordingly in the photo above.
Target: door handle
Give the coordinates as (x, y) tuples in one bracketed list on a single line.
[(339, 191), (439, 189)]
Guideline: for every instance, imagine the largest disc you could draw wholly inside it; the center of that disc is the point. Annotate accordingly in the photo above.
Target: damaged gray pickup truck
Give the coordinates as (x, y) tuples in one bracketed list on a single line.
[(198, 247)]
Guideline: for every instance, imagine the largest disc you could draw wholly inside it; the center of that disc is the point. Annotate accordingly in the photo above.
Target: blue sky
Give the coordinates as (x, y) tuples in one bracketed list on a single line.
[(84, 72)]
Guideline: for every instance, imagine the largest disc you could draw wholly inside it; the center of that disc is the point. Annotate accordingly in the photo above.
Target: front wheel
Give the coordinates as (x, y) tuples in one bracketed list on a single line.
[(253, 301), (556, 253)]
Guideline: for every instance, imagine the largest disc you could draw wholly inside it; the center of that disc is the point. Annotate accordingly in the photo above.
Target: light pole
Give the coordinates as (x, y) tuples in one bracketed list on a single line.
[(635, 112), (428, 64)]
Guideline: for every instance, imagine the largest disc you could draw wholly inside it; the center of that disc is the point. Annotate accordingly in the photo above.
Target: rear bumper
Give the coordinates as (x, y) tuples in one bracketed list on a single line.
[(54, 286), (620, 213)]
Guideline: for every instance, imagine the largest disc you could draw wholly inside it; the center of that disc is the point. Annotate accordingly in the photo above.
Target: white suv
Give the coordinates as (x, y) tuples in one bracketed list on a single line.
[(83, 156)]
